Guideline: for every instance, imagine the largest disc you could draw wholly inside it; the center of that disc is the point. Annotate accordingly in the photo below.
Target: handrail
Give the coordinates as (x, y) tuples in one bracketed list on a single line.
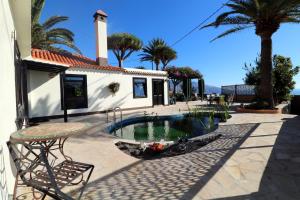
[(121, 114), (114, 112)]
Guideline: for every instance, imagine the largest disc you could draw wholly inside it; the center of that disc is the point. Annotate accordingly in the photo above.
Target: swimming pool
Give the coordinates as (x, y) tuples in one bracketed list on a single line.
[(167, 128)]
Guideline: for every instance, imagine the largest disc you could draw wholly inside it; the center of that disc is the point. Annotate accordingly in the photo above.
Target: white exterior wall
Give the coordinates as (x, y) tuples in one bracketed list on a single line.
[(10, 21), (45, 100)]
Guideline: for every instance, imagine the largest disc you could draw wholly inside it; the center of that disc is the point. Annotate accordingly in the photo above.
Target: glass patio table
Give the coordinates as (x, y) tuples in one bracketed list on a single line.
[(39, 153), (51, 136)]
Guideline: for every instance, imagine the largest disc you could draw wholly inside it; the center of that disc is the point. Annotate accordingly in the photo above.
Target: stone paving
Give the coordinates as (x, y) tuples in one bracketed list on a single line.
[(178, 177), (258, 157)]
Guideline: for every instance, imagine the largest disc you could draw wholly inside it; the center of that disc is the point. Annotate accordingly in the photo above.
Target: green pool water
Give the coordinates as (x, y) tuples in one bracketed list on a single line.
[(167, 129)]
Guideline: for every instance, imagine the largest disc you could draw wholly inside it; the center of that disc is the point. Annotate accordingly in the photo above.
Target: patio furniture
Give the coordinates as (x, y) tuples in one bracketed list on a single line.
[(172, 100), (212, 98), (37, 170)]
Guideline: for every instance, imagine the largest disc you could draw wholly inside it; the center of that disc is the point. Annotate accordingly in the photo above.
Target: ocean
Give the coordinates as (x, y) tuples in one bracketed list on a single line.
[(296, 92)]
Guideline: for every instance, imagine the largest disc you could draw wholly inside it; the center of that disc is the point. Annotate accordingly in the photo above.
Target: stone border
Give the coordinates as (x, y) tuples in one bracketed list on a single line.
[(262, 111)]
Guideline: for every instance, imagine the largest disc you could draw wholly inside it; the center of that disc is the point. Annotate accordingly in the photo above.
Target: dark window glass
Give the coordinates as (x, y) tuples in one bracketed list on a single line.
[(139, 88), (75, 91)]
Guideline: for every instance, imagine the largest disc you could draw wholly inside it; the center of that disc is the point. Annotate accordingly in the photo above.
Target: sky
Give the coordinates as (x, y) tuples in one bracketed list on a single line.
[(221, 62)]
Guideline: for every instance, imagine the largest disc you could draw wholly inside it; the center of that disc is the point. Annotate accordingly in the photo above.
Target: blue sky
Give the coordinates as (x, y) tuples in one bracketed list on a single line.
[(221, 62)]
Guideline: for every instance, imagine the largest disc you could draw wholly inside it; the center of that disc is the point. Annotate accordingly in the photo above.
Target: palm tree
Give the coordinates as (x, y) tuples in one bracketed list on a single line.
[(157, 51), (46, 35), (123, 45), (152, 52), (168, 54), (265, 16)]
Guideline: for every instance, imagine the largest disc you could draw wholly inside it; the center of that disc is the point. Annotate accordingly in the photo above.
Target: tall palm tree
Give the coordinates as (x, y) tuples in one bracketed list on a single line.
[(152, 52), (157, 52), (265, 16), (168, 54), (46, 35), (123, 45)]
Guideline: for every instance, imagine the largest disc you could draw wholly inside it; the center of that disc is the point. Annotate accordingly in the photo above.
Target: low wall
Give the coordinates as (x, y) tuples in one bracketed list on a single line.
[(244, 98), (295, 105)]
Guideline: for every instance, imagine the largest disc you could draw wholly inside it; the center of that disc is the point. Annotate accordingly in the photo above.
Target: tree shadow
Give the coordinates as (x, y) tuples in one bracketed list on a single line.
[(281, 177), (179, 177)]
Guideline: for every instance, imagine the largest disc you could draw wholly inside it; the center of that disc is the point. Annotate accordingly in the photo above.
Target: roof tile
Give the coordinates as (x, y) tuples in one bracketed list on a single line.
[(74, 61)]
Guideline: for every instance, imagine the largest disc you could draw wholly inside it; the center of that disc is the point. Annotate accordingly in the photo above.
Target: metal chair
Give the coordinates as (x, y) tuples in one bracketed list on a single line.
[(35, 171)]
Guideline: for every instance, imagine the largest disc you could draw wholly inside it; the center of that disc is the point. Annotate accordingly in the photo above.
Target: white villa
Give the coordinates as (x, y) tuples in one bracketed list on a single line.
[(46, 81), (86, 82)]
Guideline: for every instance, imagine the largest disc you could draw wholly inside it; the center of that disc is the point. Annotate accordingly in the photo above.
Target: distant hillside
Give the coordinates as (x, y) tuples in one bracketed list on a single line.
[(209, 89), (212, 89)]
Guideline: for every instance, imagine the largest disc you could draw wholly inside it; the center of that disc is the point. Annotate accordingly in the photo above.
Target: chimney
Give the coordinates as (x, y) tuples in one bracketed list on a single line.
[(100, 19)]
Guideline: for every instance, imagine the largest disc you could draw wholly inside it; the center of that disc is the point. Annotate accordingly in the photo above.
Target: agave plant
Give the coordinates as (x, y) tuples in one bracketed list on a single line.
[(46, 35), (265, 16)]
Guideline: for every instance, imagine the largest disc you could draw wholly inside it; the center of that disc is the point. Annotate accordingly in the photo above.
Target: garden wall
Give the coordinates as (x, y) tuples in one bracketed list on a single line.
[(295, 105)]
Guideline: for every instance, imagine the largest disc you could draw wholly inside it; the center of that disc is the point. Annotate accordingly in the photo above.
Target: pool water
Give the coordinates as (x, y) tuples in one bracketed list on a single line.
[(170, 129)]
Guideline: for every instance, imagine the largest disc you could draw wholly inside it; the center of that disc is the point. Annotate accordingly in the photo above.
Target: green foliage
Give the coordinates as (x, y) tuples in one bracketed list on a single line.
[(183, 72), (221, 112), (158, 51), (123, 45), (177, 74), (265, 15), (283, 74), (46, 35), (179, 97), (168, 54), (252, 73)]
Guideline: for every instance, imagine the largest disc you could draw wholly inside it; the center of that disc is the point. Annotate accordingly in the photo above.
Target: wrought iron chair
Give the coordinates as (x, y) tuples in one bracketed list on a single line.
[(35, 171)]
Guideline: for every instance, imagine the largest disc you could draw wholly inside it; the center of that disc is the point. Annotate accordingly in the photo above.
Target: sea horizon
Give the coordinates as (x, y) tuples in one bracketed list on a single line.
[(296, 91)]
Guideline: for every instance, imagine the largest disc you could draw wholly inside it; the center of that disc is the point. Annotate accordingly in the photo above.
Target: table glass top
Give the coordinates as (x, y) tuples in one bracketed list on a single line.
[(50, 131)]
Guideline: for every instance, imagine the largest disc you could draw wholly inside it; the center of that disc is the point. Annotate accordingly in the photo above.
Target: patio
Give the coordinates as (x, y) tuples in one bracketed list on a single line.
[(257, 157)]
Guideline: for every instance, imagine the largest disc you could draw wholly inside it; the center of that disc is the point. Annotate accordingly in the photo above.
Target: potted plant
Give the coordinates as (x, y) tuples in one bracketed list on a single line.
[(114, 87)]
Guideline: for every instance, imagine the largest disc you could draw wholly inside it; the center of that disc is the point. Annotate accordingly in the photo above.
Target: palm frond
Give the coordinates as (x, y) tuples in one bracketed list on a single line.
[(52, 21), (61, 33), (36, 10), (55, 41), (230, 31), (44, 36)]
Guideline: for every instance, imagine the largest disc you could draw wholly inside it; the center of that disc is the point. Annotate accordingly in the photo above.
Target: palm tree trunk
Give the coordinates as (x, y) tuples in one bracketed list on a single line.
[(265, 91)]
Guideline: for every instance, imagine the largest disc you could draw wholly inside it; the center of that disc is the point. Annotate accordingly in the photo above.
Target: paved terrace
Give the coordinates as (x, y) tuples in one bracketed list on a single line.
[(258, 157)]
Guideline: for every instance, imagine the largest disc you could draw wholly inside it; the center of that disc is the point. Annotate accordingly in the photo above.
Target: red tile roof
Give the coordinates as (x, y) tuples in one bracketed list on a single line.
[(72, 60)]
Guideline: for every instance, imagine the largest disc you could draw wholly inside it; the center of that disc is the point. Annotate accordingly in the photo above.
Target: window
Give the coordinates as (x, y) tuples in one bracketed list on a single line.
[(139, 88), (75, 87)]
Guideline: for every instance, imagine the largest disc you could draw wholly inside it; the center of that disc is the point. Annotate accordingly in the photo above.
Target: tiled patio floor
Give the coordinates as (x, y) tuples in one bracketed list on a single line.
[(258, 157)]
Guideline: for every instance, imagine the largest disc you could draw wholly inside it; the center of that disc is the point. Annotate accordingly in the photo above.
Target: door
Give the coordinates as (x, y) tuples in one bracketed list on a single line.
[(158, 91)]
